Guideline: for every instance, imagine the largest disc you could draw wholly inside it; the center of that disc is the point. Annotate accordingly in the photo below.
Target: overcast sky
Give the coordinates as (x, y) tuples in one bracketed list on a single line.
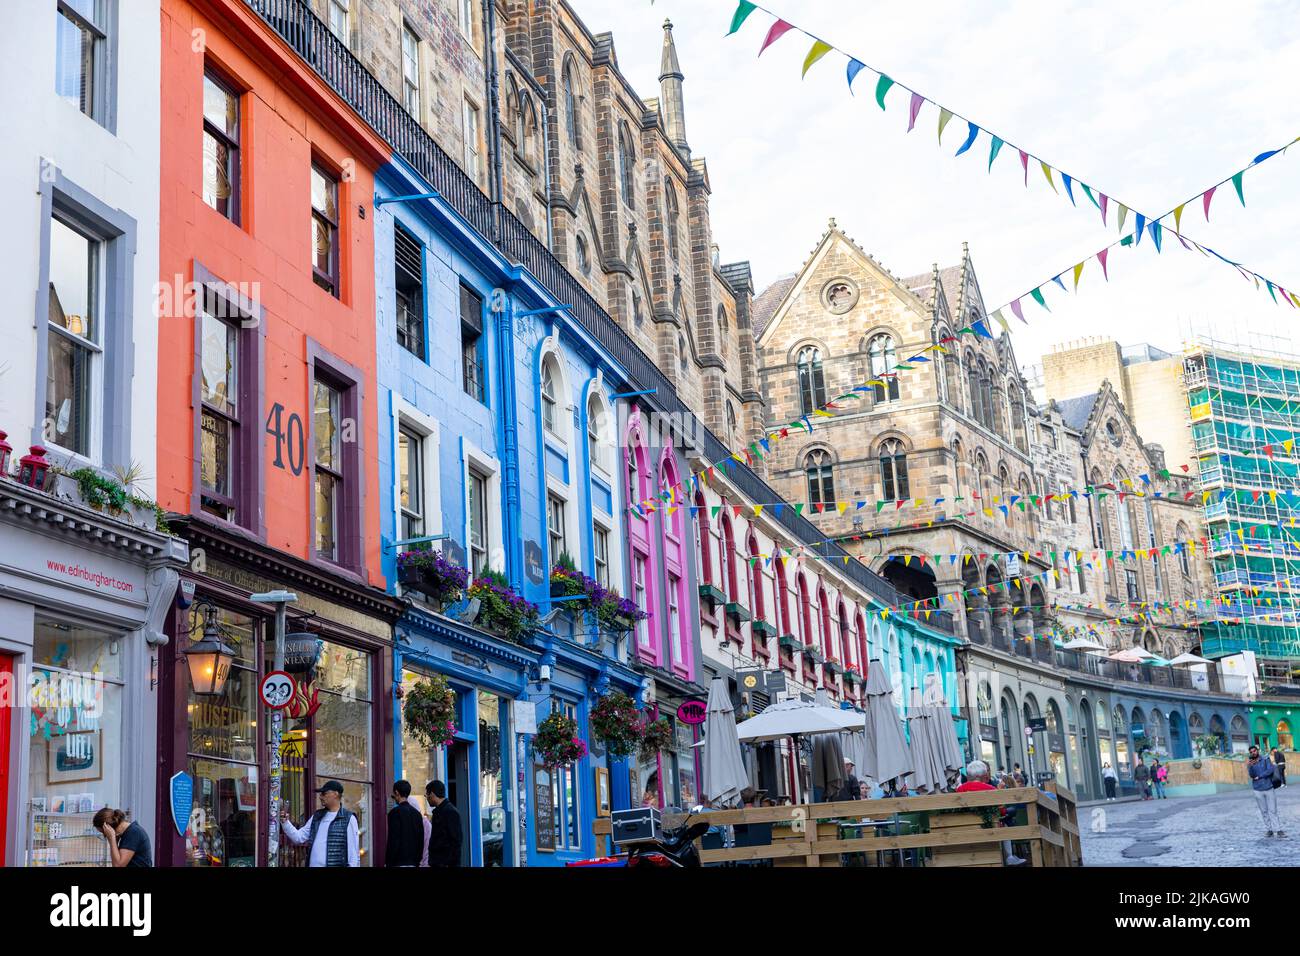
[(1150, 102)]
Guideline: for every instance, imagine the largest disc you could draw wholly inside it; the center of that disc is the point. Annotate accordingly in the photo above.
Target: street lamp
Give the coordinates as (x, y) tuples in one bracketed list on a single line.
[(209, 659), (281, 599)]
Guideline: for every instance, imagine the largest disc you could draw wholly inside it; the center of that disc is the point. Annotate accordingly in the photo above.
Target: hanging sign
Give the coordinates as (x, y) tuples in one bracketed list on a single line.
[(182, 798), (277, 690), (693, 711), (301, 652)]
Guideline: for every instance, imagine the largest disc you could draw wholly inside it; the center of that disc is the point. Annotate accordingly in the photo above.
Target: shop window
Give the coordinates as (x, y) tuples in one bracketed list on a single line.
[(222, 753), (565, 798), (493, 812), (221, 178), (341, 728), (325, 229)]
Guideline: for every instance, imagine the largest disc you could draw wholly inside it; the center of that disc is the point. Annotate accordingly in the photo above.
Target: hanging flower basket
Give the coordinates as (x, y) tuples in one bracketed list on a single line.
[(616, 723), (429, 712), (568, 582), (557, 742), (656, 737), (619, 613)]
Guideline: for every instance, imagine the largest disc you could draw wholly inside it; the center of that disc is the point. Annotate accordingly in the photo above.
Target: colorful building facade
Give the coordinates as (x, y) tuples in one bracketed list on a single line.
[(267, 435)]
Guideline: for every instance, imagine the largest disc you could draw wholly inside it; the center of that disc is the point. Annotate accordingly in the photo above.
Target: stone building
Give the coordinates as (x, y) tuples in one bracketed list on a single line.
[(534, 108), (956, 428)]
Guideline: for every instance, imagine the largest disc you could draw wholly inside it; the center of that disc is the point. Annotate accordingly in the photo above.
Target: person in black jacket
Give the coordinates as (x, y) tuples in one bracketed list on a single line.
[(444, 835), (405, 829), (852, 786)]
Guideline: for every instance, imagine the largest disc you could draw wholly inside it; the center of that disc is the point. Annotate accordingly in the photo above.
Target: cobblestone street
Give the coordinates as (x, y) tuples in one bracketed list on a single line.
[(1221, 830)]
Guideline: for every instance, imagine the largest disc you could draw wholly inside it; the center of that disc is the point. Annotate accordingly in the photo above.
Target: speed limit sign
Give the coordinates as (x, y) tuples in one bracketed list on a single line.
[(277, 689)]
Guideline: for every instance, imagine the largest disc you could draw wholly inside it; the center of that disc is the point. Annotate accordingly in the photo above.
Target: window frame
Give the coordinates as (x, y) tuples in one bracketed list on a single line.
[(116, 232), (103, 72), (812, 379), (420, 308), (247, 480), (894, 480), (328, 281), (89, 345), (473, 152), (880, 369), (346, 7), (234, 150), (478, 345), (349, 519), (411, 86), (823, 481)]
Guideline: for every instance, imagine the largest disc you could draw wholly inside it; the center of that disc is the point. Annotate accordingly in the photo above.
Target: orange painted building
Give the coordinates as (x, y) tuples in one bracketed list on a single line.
[(267, 434), (285, 122)]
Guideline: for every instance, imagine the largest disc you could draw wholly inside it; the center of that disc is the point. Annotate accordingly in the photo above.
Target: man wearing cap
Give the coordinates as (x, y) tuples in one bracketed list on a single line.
[(332, 830), (852, 786)]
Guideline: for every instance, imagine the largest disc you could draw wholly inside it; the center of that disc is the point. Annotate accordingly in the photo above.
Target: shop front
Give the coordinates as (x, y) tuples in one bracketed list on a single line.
[(487, 677), (82, 600), (217, 739), (671, 778)]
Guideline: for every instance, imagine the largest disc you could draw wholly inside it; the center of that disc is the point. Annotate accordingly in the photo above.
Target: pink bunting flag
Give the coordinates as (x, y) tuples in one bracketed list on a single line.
[(1024, 164), (1205, 201), (913, 110), (1015, 308), (779, 29), (1101, 257), (1105, 201)]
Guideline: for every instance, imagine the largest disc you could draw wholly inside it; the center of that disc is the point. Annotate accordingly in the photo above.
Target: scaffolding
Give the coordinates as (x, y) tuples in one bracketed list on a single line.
[(1244, 414)]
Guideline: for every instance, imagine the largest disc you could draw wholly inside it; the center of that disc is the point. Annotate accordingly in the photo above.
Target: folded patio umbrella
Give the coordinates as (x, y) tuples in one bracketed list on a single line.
[(723, 764), (828, 766), (888, 758), (928, 773)]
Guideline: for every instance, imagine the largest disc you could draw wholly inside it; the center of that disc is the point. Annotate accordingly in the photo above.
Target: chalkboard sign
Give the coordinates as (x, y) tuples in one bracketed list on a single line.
[(543, 809)]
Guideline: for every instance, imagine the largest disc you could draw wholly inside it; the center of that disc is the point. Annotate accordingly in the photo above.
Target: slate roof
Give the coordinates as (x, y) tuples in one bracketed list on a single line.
[(1075, 411), (765, 302)]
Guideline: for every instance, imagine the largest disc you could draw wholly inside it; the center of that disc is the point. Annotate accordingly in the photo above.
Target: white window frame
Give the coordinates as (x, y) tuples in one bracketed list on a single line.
[(407, 416), (572, 534), (474, 458), (96, 393), (411, 87), (345, 6), (473, 154)]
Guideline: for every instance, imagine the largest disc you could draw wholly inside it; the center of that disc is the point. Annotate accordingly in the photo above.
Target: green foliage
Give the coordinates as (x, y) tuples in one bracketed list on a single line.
[(617, 723), (656, 737), (429, 712), (557, 742)]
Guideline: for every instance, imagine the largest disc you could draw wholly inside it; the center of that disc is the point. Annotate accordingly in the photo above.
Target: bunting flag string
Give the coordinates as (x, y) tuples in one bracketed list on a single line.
[(1145, 225)]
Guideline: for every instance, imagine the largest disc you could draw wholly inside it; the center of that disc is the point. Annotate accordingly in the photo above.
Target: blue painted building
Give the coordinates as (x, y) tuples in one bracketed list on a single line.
[(497, 445)]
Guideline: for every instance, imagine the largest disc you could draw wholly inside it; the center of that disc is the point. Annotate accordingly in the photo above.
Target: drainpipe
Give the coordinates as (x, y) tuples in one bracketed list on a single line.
[(512, 538), (497, 189)]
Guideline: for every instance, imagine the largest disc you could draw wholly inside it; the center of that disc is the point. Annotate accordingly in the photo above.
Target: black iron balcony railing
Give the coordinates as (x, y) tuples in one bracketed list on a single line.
[(313, 41), (1150, 675)]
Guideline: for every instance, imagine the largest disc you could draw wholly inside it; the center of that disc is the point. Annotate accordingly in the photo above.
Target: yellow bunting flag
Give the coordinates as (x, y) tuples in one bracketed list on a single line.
[(1078, 271), (944, 116), (1178, 217), (843, 507), (819, 50), (758, 510), (1047, 171)]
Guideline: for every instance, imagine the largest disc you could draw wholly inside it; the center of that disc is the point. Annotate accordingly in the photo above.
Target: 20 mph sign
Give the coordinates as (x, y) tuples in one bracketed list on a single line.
[(277, 690)]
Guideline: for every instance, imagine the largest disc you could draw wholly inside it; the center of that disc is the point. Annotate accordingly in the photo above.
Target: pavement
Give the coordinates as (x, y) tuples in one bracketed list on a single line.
[(1224, 829)]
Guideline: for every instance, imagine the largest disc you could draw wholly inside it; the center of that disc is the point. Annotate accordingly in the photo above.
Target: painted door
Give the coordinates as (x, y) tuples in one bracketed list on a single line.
[(6, 677), (460, 793)]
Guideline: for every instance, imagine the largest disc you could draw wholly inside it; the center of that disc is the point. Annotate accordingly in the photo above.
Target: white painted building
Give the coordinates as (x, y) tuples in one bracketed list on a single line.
[(82, 590)]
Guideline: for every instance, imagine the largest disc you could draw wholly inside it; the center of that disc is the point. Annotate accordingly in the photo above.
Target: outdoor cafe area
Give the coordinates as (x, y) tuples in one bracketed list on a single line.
[(915, 763)]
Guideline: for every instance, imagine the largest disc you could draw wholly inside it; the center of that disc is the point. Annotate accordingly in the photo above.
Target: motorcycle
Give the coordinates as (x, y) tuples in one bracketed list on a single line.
[(676, 850)]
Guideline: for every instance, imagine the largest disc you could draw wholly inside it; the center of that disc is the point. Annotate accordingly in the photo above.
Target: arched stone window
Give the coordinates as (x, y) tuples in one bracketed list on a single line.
[(732, 428), (670, 214), (880, 353), (821, 477), (812, 380), (583, 255), (572, 124), (893, 470), (626, 165)]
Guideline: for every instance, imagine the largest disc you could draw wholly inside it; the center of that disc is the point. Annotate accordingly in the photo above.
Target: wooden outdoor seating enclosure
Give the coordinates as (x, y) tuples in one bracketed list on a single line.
[(952, 829)]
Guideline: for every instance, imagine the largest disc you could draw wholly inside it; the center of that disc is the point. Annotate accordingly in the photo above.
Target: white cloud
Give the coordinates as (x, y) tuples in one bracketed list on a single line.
[(1150, 102)]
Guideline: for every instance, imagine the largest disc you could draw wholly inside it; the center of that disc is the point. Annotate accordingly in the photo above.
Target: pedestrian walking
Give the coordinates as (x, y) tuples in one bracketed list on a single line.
[(444, 832), (1279, 761), (1159, 775), (1109, 780), (1142, 777), (128, 844), (332, 830), (406, 840), (1261, 771)]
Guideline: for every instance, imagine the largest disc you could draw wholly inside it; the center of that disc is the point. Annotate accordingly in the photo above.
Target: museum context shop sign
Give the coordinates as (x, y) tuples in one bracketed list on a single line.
[(301, 652)]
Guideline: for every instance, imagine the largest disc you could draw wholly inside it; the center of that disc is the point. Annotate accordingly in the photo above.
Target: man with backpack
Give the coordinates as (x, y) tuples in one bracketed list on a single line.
[(1261, 771)]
